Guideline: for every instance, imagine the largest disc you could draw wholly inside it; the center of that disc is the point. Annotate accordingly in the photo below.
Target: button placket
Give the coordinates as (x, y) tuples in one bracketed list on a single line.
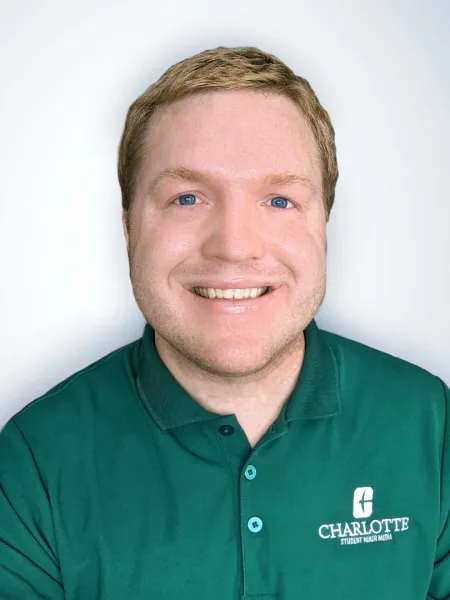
[(259, 572), (254, 524), (256, 571)]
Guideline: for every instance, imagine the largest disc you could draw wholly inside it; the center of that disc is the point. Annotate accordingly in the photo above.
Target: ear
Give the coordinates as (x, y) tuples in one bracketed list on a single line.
[(125, 228)]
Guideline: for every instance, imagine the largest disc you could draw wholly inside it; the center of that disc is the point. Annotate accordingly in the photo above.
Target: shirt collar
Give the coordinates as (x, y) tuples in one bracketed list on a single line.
[(316, 394)]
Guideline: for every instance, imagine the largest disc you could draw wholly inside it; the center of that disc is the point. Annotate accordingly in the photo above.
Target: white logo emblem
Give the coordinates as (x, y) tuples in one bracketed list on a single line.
[(364, 531), (362, 502)]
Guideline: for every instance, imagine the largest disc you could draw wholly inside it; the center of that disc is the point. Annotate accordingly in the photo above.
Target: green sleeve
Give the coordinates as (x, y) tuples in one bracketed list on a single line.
[(28, 561), (440, 581)]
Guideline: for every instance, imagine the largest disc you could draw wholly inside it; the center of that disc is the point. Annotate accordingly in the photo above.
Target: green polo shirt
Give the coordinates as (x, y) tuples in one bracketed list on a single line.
[(117, 485)]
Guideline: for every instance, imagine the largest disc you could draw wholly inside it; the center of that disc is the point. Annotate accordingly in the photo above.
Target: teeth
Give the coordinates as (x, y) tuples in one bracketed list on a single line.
[(236, 294)]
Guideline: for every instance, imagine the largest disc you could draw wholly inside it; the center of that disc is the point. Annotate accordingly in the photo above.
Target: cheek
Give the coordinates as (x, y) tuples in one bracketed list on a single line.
[(305, 258), (302, 248), (161, 248)]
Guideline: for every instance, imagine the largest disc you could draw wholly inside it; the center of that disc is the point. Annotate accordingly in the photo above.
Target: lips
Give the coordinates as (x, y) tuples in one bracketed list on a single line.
[(237, 308)]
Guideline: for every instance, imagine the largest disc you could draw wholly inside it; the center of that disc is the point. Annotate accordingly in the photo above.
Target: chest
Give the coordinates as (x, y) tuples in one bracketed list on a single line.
[(313, 513)]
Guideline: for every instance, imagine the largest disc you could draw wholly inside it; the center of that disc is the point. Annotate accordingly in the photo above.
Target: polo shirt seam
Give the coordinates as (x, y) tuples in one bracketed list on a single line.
[(72, 378), (244, 571), (316, 417), (259, 595), (132, 365), (228, 462), (339, 377), (237, 491), (48, 551)]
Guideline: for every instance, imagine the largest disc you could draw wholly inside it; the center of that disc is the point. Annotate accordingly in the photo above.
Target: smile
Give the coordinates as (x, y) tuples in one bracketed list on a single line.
[(230, 294)]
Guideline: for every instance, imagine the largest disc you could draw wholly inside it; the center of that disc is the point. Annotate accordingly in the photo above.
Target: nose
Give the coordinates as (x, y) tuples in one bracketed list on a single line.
[(235, 232)]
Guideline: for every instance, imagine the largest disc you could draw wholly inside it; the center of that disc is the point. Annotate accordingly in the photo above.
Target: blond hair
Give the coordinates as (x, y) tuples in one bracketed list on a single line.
[(225, 69)]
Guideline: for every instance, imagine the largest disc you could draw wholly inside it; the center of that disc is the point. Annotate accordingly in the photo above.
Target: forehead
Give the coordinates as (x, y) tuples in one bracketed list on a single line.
[(240, 135)]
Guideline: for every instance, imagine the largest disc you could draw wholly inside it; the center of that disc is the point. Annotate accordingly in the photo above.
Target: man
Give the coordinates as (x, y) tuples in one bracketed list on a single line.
[(236, 450)]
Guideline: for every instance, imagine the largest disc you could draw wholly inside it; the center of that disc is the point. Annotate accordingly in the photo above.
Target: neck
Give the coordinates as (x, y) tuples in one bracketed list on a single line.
[(256, 401)]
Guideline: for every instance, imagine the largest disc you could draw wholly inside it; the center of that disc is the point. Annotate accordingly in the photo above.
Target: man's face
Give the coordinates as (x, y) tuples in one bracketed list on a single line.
[(229, 227)]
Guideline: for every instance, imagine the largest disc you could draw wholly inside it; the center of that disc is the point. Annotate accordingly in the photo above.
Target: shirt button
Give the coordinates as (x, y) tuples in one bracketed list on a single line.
[(250, 472), (255, 524), (226, 430)]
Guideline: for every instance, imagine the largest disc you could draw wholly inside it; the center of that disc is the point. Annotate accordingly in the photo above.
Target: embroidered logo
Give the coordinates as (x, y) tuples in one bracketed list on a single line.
[(364, 531)]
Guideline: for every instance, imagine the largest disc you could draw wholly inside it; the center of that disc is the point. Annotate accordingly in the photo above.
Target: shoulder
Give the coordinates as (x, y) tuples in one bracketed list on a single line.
[(91, 391), (368, 373)]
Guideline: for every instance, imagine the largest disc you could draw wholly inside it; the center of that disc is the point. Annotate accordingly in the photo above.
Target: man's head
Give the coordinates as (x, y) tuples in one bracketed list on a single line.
[(245, 68), (228, 168)]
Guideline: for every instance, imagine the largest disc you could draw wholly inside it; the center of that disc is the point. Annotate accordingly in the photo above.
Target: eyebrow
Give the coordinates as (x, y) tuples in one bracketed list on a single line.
[(187, 174)]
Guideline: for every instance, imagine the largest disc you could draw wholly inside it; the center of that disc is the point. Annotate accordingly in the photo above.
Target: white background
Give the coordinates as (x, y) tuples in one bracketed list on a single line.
[(70, 69)]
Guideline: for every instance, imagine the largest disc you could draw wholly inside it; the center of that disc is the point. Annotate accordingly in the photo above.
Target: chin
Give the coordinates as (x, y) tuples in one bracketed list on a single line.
[(228, 365), (238, 359)]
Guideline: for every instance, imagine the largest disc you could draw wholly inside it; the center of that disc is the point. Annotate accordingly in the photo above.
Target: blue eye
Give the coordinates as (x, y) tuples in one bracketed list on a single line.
[(189, 200), (280, 202), (189, 197)]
